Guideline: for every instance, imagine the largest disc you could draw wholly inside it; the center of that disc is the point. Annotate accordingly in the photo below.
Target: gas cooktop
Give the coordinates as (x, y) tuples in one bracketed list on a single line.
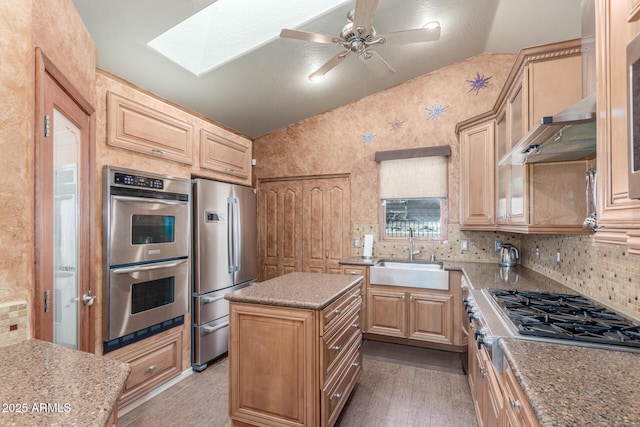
[(565, 316)]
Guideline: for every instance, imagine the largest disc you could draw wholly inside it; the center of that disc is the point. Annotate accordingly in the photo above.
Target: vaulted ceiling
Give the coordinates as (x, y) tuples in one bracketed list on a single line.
[(267, 88)]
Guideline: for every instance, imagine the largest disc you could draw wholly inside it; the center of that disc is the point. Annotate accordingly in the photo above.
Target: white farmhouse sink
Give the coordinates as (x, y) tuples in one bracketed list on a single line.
[(409, 274)]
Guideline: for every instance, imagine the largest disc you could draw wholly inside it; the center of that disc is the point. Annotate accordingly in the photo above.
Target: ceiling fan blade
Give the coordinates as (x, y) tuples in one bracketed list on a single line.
[(363, 14), (335, 60), (306, 36), (377, 64), (412, 36)]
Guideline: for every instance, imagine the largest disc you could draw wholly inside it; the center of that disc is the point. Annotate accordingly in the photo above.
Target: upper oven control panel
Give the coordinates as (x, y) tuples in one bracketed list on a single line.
[(138, 181)]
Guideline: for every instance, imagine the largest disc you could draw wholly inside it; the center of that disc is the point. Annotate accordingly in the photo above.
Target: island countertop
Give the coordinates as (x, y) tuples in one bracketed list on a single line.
[(313, 291), (45, 384)]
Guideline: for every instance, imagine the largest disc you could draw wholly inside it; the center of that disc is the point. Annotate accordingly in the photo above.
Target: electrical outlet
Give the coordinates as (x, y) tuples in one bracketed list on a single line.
[(497, 245), (537, 252), (464, 245), (356, 243)]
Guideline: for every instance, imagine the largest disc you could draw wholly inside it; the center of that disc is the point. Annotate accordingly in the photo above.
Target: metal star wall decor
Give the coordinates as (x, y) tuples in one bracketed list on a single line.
[(368, 137), (396, 124), (480, 82), (436, 111)]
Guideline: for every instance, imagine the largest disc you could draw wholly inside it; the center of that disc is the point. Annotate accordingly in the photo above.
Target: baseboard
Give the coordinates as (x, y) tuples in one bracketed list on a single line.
[(153, 393)]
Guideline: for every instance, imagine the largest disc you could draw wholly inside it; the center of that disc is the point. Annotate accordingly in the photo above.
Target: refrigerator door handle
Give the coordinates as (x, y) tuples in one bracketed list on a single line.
[(237, 244), (211, 329), (232, 203), (209, 300)]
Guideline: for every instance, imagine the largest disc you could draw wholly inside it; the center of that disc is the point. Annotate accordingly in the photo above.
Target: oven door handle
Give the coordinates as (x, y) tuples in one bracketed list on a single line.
[(148, 267), (148, 200)]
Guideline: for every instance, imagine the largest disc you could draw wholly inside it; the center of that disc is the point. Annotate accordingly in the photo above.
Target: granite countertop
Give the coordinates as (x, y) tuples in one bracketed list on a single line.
[(491, 275), (577, 386), (359, 260), (44, 384), (297, 290)]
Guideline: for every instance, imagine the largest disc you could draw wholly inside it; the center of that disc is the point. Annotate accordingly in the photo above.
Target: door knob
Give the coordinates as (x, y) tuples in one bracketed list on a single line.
[(88, 299)]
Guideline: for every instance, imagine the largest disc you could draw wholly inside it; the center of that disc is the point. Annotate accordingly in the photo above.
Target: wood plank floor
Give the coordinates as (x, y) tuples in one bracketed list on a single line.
[(399, 386)]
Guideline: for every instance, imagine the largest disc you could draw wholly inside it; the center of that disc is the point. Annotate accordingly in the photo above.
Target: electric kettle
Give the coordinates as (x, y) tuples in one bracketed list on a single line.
[(508, 256)]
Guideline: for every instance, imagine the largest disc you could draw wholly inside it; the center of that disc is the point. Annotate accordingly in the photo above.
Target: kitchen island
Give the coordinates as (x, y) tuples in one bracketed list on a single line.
[(44, 384), (295, 349)]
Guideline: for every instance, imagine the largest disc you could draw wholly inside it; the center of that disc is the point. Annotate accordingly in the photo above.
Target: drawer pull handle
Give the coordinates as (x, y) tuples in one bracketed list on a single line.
[(336, 347), (337, 311), (353, 273), (153, 368), (338, 395), (515, 404)]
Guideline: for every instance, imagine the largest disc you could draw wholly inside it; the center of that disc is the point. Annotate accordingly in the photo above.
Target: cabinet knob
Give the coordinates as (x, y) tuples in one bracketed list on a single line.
[(337, 311), (355, 326), (337, 395), (356, 364), (515, 404), (336, 347), (153, 368)]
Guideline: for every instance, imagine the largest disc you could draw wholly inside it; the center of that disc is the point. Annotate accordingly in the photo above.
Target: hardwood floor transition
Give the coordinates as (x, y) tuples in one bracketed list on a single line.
[(399, 386)]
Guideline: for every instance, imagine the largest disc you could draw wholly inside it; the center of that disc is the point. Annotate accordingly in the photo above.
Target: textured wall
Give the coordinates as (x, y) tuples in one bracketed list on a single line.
[(345, 139), (16, 130), (55, 26)]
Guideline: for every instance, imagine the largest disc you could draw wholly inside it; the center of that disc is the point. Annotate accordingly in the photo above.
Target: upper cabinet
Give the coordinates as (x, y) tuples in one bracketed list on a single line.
[(618, 215), (142, 123), (225, 152), (150, 126), (525, 198)]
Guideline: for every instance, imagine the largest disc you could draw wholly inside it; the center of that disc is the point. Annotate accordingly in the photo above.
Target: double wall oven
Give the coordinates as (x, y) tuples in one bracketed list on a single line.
[(146, 221)]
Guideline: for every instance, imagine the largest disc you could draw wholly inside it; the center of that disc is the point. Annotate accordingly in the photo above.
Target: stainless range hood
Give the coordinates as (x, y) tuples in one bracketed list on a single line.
[(568, 135), (571, 133)]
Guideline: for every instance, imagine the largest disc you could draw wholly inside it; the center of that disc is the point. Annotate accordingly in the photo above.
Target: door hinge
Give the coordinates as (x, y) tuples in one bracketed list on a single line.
[(47, 126), (46, 301)]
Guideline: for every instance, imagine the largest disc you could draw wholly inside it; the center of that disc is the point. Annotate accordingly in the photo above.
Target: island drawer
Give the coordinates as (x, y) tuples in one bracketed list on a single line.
[(333, 312), (336, 393), (337, 344)]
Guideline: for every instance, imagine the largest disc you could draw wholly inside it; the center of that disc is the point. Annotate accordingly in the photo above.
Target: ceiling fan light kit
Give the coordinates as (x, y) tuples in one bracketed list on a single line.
[(358, 36)]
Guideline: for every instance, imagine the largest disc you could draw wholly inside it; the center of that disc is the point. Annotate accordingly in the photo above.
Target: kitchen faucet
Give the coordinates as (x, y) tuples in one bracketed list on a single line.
[(411, 251)]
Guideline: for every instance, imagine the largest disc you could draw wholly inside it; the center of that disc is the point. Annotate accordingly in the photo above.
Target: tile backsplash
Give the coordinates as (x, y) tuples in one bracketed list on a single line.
[(603, 272), (13, 322)]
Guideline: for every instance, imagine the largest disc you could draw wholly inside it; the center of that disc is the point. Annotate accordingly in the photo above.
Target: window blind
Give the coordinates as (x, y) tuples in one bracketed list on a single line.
[(417, 177)]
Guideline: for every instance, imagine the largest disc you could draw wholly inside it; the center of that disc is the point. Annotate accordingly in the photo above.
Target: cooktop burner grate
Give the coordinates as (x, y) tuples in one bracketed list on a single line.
[(565, 316)]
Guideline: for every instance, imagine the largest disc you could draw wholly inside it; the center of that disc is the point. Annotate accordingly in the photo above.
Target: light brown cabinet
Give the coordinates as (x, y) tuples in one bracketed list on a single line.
[(150, 126), (525, 198), (304, 225), (517, 411), (618, 215), (153, 361), (410, 313), (326, 224), (477, 187), (291, 366), (225, 152), (279, 228)]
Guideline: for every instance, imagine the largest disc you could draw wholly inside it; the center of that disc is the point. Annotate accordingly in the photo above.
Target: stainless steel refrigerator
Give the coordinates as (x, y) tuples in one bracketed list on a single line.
[(225, 259)]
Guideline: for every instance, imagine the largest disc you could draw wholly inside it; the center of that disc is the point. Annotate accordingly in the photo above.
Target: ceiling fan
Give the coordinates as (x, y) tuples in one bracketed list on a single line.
[(358, 36)]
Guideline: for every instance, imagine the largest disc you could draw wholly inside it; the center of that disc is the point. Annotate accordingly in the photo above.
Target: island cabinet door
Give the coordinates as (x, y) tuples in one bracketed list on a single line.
[(272, 353)]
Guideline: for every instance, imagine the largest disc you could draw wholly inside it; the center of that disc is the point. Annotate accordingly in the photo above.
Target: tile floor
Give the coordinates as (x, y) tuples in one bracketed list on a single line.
[(399, 386)]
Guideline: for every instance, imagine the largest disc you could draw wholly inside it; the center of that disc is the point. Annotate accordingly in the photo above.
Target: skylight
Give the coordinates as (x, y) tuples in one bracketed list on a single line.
[(228, 29)]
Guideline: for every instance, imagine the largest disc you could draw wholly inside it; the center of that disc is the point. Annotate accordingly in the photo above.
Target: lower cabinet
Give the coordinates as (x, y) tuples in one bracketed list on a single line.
[(293, 366), (153, 362), (413, 314), (497, 396), (517, 411)]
